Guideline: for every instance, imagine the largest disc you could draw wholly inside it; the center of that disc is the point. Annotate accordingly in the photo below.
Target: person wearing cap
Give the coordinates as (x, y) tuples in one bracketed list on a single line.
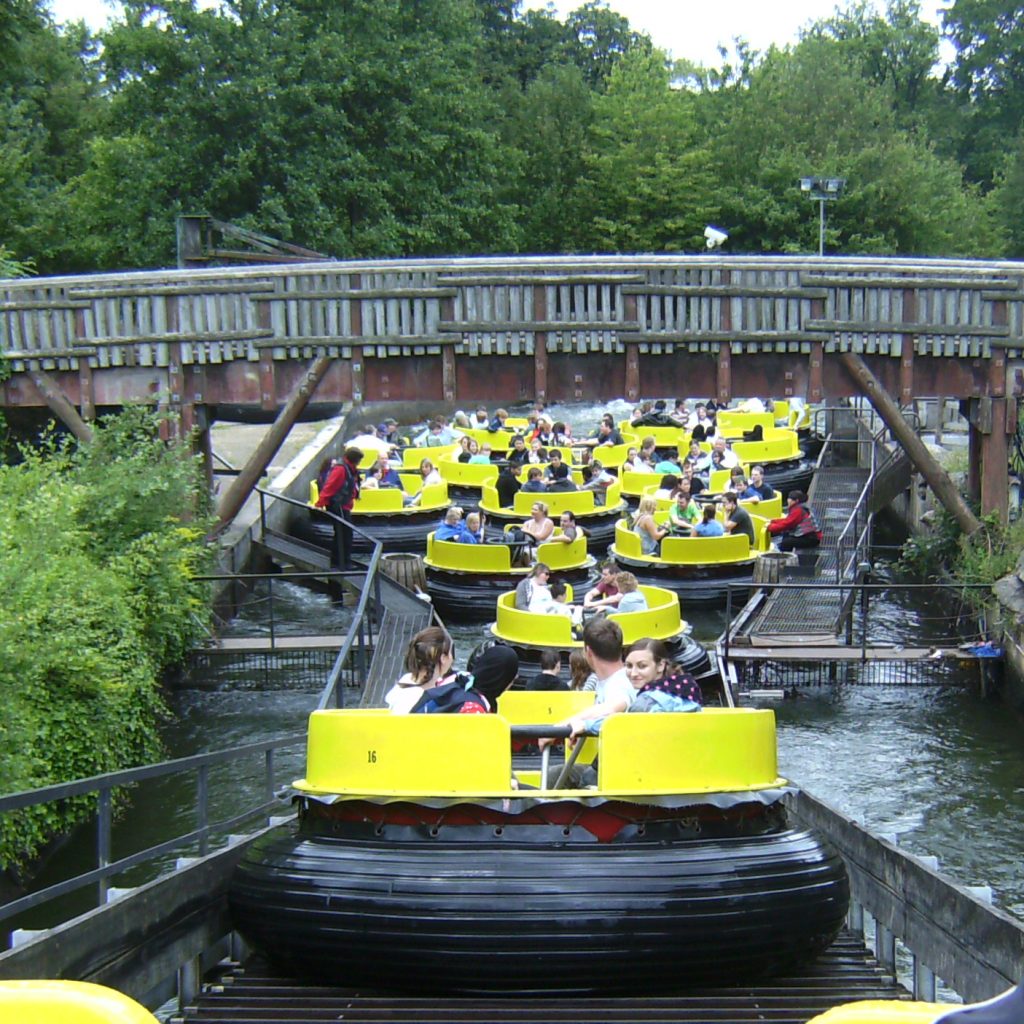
[(338, 496)]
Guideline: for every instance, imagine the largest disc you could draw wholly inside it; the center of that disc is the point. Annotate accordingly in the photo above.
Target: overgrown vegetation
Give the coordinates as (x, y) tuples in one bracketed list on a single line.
[(387, 127), (944, 551), (99, 548)]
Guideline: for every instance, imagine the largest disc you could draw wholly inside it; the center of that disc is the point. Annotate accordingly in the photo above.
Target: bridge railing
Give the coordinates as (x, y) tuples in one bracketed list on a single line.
[(106, 789)]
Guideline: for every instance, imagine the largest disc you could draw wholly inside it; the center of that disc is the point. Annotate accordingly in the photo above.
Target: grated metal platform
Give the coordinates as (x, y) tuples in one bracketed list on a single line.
[(834, 496), (252, 993)]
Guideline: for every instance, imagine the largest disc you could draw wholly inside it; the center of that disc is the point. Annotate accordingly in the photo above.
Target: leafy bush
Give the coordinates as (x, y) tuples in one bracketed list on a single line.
[(99, 548)]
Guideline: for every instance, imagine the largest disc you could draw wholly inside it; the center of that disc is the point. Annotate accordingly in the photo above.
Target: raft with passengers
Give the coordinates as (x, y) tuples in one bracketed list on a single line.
[(676, 866)]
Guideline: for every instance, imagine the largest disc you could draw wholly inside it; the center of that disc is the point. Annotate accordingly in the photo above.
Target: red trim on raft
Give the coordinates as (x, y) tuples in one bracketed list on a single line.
[(603, 822)]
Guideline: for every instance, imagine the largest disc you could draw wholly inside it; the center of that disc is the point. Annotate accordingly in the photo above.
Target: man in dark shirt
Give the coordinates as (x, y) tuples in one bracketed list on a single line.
[(506, 485), (758, 484), (737, 518), (534, 481), (557, 470), (519, 453)]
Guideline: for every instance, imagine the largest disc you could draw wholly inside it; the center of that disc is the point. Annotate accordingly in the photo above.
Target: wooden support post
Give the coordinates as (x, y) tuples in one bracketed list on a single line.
[(973, 454), (632, 389), (540, 343), (268, 383), (724, 375), (995, 484), (816, 373), (241, 487), (449, 385), (60, 406), (358, 365), (86, 390), (938, 479), (907, 348)]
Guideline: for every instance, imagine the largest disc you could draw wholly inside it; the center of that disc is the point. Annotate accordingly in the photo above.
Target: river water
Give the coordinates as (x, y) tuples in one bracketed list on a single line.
[(935, 767)]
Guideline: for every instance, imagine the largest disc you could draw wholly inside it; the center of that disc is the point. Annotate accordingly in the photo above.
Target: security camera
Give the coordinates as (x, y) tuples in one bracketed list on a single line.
[(715, 236)]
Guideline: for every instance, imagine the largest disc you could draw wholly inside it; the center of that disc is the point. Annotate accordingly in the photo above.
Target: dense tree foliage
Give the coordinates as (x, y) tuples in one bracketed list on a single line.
[(402, 127), (99, 548)]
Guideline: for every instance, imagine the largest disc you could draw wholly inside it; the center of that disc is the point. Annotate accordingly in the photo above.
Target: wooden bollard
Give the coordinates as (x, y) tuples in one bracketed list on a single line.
[(771, 566), (405, 569)]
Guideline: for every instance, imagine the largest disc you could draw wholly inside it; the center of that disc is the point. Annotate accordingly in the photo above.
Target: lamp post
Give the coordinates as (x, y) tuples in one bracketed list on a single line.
[(824, 190)]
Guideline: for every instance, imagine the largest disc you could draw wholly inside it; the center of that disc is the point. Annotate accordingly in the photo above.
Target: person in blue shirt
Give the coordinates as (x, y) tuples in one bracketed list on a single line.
[(450, 528), (387, 475), (709, 526), (743, 490), (472, 529), (669, 464)]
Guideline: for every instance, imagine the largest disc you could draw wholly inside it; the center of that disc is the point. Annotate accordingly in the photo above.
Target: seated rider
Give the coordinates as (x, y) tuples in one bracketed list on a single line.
[(430, 686), (797, 528), (646, 527), (709, 526), (605, 593), (631, 600), (450, 528), (537, 577), (659, 685), (473, 529)]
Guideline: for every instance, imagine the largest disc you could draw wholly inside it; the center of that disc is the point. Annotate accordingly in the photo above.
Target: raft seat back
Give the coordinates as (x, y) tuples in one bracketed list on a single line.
[(714, 750), (780, 411), (664, 437), (734, 423), (660, 619), (447, 554), (613, 495), (706, 550), (49, 1001), (412, 457), (466, 474), (379, 499), (542, 707), (627, 543), (500, 440), (613, 455), (563, 556), (778, 449), (579, 503), (634, 483), (434, 496), (375, 752), (770, 509), (411, 482), (762, 538), (314, 492), (532, 628)]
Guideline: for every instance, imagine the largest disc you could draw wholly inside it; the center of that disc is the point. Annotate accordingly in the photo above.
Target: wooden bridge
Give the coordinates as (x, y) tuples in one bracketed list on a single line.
[(235, 343)]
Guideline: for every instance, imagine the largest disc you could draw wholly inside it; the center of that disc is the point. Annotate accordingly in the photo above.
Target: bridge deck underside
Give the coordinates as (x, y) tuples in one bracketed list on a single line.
[(844, 973)]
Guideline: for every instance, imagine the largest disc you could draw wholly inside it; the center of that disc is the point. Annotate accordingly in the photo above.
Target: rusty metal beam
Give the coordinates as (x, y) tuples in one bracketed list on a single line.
[(60, 406), (241, 487), (938, 479)]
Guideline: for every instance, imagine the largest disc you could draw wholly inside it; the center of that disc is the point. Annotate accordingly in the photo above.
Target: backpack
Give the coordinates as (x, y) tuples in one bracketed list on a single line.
[(448, 698), (347, 492)]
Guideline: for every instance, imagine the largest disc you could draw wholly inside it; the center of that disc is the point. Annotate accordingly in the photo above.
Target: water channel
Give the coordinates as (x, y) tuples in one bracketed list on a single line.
[(936, 767)]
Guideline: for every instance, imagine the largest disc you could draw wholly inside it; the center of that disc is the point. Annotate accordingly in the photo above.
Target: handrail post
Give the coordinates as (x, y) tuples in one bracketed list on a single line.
[(268, 773), (270, 591), (728, 620), (103, 845), (202, 818)]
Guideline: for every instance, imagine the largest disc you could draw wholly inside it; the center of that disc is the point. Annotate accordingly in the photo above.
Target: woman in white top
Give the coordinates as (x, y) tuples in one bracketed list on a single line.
[(429, 661), (430, 475), (538, 527)]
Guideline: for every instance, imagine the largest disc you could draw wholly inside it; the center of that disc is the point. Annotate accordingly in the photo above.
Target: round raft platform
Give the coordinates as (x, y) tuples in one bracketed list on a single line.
[(415, 866), (700, 570), (466, 580), (530, 634)]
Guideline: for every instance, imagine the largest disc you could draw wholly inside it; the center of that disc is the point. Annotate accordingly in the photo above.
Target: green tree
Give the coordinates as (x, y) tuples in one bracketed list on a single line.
[(361, 128), (989, 73), (599, 39), (809, 110), (646, 184)]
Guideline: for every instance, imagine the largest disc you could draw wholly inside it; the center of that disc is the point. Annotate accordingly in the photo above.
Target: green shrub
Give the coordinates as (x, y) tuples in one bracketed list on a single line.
[(99, 548)]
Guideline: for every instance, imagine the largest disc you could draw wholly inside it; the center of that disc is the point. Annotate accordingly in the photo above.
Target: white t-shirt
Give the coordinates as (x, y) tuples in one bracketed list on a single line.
[(541, 599), (433, 477), (403, 696), (616, 687)]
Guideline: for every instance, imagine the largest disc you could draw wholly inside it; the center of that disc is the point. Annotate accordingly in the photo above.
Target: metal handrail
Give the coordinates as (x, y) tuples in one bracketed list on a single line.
[(361, 629), (103, 786)]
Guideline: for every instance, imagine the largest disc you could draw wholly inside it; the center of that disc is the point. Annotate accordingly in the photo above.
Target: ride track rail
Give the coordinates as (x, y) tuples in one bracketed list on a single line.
[(251, 993)]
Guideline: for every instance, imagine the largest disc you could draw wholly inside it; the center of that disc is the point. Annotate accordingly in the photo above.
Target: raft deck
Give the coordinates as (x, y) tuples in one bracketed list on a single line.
[(250, 992)]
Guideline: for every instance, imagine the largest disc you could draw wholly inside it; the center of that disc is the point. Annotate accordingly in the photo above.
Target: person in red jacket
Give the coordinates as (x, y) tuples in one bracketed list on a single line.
[(338, 496), (797, 528)]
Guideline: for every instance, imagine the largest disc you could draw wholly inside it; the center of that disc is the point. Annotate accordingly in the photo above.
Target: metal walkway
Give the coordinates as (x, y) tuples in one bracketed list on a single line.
[(844, 973), (836, 497)]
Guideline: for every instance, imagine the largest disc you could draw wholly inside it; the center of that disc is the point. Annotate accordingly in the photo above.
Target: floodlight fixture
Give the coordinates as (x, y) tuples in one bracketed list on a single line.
[(715, 237), (822, 191)]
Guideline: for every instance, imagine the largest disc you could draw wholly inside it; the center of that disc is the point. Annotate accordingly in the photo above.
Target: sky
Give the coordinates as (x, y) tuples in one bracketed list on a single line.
[(690, 29)]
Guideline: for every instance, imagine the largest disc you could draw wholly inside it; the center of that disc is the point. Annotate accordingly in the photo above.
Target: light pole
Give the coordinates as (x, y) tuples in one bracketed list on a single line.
[(824, 190)]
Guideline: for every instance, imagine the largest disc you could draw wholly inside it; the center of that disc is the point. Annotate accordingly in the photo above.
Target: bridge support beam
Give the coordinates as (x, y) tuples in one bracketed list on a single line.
[(991, 420), (60, 406), (938, 479), (240, 489)]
